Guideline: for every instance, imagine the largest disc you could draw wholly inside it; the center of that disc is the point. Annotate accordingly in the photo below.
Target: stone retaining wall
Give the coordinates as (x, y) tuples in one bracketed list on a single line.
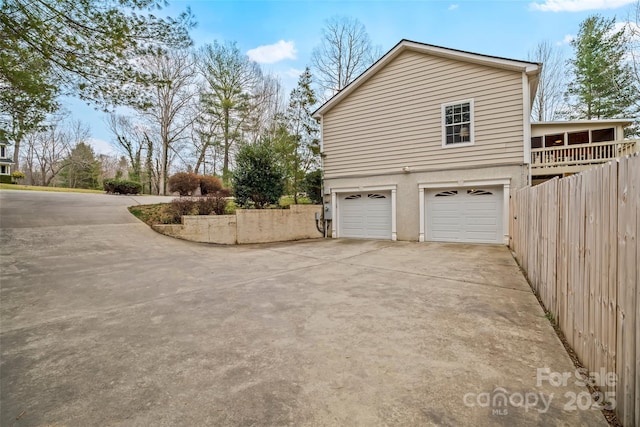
[(247, 226)]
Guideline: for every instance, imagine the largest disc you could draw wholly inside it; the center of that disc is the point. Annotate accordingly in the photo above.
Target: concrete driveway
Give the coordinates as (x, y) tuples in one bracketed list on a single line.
[(105, 322)]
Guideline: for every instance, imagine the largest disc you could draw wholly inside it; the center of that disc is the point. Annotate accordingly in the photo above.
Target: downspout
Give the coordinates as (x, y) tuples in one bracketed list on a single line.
[(325, 221), (321, 216)]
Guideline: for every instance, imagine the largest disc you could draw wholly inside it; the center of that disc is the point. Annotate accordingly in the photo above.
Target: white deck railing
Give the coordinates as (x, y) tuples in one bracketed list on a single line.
[(577, 157)]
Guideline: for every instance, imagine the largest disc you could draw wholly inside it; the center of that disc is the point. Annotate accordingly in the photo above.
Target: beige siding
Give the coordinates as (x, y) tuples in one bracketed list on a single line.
[(394, 119)]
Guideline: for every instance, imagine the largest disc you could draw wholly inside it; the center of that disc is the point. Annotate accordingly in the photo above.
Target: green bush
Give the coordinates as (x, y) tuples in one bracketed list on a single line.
[(312, 184), (183, 183), (6, 179), (116, 186), (209, 184), (258, 179)]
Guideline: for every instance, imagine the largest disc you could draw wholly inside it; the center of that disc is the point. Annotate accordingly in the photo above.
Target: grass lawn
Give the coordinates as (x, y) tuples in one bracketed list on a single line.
[(150, 214), (54, 189)]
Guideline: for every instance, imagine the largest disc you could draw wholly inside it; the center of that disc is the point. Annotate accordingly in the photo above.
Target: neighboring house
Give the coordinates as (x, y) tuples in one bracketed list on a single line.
[(5, 160), (428, 144)]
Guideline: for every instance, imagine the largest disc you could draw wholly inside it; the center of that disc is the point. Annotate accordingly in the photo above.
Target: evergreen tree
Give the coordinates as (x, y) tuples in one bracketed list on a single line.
[(81, 169), (601, 85), (258, 178), (300, 148), (230, 77)]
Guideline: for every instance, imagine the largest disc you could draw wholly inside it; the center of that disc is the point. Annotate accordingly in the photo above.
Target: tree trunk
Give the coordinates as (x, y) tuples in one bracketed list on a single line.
[(227, 145), (201, 159), (163, 168), (16, 154)]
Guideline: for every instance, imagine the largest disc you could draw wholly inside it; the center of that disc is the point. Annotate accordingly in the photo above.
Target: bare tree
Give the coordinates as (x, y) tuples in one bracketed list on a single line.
[(549, 101), (130, 140), (633, 42), (47, 149), (267, 105), (171, 99), (343, 54), (113, 167)]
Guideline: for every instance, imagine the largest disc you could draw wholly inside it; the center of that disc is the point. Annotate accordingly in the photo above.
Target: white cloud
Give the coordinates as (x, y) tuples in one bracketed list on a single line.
[(102, 147), (566, 39), (632, 29), (268, 54), (577, 5), (453, 7)]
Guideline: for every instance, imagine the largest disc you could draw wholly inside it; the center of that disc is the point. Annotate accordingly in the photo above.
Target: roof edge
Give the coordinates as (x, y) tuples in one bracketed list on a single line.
[(627, 121)]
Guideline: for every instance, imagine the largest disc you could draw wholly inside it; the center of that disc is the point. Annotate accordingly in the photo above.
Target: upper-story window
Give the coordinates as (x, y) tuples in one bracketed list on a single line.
[(3, 151), (457, 123)]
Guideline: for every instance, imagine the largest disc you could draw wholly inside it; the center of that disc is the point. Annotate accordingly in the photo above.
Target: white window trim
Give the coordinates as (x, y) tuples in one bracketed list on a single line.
[(334, 205), (443, 128), (504, 182)]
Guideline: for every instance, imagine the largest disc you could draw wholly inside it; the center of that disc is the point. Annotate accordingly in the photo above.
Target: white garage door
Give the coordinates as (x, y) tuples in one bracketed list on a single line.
[(365, 215), (464, 215)]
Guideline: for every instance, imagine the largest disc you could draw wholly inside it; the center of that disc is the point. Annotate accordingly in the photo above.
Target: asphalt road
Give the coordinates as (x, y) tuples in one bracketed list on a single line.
[(105, 322)]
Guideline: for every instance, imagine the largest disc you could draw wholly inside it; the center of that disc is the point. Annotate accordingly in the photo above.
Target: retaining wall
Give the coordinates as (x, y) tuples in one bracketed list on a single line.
[(247, 226)]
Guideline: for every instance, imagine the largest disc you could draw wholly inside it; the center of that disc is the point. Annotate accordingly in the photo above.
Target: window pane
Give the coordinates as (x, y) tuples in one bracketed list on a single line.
[(536, 142), (602, 135), (457, 120), (578, 137), (554, 140)]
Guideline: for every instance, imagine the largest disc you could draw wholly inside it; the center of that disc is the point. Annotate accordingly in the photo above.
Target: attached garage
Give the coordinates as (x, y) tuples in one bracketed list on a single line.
[(366, 215), (473, 215)]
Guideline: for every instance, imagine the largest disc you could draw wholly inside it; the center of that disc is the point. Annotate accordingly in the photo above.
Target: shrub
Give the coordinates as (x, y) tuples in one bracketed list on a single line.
[(313, 186), (6, 179), (209, 184), (213, 203), (17, 176), (116, 186), (179, 207), (183, 183), (258, 178)]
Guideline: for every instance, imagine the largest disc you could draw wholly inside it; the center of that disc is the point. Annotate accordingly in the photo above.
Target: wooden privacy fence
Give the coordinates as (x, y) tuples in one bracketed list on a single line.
[(577, 239)]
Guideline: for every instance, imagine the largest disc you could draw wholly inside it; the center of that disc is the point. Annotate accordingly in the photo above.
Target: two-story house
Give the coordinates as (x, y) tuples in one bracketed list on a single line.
[(5, 162), (429, 143)]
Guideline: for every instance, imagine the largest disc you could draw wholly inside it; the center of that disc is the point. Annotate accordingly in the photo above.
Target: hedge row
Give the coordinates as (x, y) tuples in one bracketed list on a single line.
[(117, 186)]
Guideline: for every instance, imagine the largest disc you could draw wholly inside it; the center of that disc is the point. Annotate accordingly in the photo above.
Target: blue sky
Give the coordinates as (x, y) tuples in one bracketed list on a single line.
[(282, 34)]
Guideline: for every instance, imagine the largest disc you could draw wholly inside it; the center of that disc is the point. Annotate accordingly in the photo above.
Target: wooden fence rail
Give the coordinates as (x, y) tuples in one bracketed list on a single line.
[(577, 239)]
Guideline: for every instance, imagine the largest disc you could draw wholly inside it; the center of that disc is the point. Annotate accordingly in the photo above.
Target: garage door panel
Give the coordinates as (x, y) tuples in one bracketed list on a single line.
[(464, 215), (365, 215)]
